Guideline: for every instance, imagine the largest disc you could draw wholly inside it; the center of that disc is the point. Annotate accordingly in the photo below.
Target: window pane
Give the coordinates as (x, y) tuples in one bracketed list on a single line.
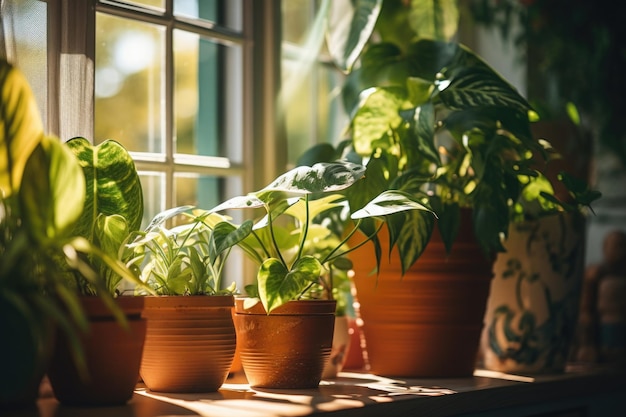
[(129, 83), (204, 191), (207, 97), (297, 18), (153, 187), (227, 13)]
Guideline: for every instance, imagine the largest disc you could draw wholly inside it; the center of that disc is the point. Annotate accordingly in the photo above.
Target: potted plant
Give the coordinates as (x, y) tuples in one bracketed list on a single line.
[(433, 117), (284, 333), (113, 344), (42, 188), (190, 342)]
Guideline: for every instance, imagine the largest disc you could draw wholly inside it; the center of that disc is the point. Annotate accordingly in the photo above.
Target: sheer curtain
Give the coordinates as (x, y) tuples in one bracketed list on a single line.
[(52, 42)]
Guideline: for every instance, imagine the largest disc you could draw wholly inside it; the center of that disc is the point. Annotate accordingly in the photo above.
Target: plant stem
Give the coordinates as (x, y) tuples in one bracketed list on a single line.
[(330, 256)]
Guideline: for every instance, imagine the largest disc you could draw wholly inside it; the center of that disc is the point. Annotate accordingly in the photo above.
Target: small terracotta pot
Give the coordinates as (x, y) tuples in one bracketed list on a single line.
[(190, 343), (112, 353), (287, 348)]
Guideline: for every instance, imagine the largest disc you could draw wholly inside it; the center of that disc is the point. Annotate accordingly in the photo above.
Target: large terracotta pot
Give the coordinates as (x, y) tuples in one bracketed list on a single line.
[(287, 348), (533, 306), (428, 322), (190, 343), (112, 354)]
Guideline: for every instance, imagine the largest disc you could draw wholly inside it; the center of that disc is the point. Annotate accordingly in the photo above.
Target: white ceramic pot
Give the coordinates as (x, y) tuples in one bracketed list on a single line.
[(341, 345), (532, 310)]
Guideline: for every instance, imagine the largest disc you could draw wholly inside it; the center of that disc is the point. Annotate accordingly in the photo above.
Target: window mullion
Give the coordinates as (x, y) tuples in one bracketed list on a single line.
[(168, 117)]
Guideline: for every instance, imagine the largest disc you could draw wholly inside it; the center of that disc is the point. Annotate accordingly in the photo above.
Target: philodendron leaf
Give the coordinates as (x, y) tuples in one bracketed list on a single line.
[(52, 192), (227, 235), (390, 202), (113, 185), (277, 285), (434, 19), (350, 25), (378, 113), (162, 217), (322, 177)]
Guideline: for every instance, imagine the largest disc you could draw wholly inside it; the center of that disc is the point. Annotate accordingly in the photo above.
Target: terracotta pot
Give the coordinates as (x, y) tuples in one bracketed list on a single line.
[(340, 348), (533, 306), (427, 323), (190, 343), (287, 348), (112, 353)]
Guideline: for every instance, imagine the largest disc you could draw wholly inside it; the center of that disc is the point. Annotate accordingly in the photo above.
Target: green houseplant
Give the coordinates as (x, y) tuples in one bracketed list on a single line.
[(430, 116), (34, 170), (184, 266), (113, 346), (43, 190), (278, 321)]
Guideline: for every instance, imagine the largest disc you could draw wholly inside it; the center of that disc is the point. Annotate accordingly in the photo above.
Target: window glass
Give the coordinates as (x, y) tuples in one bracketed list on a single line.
[(154, 192), (129, 94), (311, 85), (207, 97), (225, 13)]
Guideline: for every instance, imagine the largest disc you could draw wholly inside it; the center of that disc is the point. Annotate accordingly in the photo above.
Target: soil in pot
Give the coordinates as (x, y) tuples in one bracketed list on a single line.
[(288, 348), (112, 353), (190, 343)]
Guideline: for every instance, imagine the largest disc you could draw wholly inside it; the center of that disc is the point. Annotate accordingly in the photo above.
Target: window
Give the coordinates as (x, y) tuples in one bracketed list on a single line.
[(169, 82), (190, 87), (311, 87)]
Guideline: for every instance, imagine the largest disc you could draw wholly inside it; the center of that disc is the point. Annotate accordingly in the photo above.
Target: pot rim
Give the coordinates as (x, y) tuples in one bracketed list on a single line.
[(291, 308)]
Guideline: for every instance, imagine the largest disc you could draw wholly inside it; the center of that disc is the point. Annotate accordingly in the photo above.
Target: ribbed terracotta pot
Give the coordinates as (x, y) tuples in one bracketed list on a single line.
[(427, 323), (190, 343), (112, 353), (287, 348)]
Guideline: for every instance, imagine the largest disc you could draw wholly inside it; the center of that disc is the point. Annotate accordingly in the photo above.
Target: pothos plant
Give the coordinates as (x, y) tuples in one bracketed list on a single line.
[(433, 117), (281, 240), (188, 259)]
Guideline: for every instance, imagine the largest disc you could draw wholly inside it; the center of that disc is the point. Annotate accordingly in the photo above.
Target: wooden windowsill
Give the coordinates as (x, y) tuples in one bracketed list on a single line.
[(363, 394)]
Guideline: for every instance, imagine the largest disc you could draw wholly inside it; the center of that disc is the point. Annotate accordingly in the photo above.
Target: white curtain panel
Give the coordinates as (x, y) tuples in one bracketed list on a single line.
[(52, 42)]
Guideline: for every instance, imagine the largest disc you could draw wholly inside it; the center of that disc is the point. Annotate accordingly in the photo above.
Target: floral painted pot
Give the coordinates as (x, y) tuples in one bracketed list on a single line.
[(532, 311)]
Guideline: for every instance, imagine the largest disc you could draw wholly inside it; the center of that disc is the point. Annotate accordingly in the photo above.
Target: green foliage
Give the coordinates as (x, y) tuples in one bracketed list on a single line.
[(286, 242), (112, 210), (433, 119), (188, 259), (577, 51)]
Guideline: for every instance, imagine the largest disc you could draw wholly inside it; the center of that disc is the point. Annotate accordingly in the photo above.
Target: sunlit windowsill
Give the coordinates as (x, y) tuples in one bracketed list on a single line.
[(362, 394)]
